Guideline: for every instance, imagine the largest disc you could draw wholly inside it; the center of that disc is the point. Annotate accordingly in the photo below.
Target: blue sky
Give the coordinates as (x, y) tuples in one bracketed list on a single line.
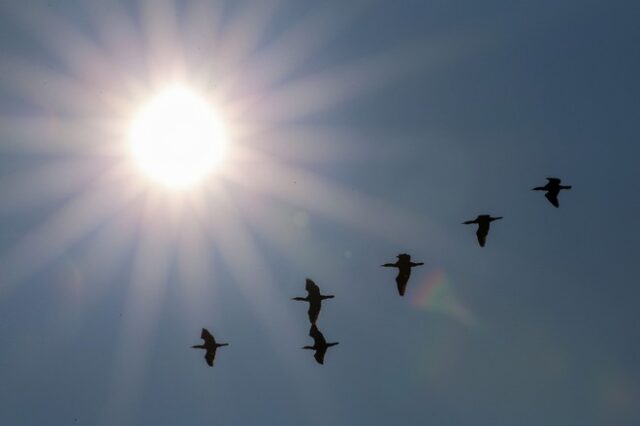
[(359, 131)]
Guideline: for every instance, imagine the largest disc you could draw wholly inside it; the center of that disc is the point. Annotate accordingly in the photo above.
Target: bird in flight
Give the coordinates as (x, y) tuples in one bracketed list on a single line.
[(483, 222), (553, 188), (320, 345), (404, 265), (210, 345), (315, 300)]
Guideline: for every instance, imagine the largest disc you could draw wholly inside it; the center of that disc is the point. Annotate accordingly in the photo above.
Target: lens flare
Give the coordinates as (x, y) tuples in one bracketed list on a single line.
[(436, 294)]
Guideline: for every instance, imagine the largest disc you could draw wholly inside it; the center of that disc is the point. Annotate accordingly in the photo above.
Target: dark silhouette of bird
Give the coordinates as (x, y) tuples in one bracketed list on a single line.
[(320, 345), (553, 188), (210, 345), (315, 300), (483, 222), (404, 265)]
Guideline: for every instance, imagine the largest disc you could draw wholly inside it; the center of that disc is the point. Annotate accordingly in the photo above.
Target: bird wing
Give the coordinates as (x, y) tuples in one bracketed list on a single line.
[(312, 288), (210, 356), (552, 196), (319, 355), (402, 279), (207, 337), (314, 310)]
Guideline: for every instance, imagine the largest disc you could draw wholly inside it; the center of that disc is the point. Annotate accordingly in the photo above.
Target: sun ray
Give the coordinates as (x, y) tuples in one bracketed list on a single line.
[(67, 226), (323, 197), (143, 305), (281, 57), (318, 92), (240, 36), (197, 275), (53, 181)]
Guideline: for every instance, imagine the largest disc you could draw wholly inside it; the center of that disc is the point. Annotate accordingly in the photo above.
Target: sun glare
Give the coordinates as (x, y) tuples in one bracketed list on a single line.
[(176, 138)]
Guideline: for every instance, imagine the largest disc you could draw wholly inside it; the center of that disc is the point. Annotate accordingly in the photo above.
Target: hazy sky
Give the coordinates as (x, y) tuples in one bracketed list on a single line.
[(357, 131)]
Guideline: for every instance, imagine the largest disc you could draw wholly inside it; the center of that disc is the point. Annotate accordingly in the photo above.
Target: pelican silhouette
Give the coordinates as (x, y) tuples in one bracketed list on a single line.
[(483, 222), (404, 265), (315, 300), (553, 188), (320, 345), (210, 345)]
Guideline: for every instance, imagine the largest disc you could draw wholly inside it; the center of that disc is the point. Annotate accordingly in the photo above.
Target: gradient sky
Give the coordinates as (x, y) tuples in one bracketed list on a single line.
[(361, 129)]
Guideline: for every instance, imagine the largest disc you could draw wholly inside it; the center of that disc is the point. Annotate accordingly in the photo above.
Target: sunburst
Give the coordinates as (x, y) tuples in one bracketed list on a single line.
[(85, 106)]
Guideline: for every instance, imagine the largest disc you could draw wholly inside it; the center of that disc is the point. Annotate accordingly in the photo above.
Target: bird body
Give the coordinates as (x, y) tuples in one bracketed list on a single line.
[(315, 300), (483, 221), (552, 189), (320, 345), (210, 345), (404, 265)]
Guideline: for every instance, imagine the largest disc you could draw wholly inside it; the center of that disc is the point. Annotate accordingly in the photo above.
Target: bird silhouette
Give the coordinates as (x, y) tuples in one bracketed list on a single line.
[(553, 188), (320, 345), (483, 222), (210, 345), (404, 265), (315, 300)]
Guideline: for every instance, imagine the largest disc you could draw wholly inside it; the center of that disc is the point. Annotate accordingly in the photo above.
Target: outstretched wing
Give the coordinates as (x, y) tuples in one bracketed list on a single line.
[(207, 337), (552, 196), (312, 288)]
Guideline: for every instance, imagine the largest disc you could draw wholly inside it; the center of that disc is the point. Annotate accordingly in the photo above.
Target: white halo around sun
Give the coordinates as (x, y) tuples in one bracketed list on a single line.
[(176, 138)]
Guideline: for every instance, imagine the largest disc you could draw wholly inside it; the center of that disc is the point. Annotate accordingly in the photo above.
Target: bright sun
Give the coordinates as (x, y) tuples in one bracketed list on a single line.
[(176, 138)]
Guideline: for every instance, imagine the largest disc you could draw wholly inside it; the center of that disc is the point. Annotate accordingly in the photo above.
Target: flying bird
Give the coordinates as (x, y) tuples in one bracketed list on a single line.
[(553, 188), (315, 300), (320, 345), (483, 222), (404, 265), (210, 345)]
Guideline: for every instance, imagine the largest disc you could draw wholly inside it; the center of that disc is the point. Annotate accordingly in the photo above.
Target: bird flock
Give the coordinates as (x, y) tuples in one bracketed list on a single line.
[(404, 264)]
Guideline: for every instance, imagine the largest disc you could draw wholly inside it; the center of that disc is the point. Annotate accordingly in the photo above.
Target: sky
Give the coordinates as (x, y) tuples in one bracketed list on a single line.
[(356, 130)]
